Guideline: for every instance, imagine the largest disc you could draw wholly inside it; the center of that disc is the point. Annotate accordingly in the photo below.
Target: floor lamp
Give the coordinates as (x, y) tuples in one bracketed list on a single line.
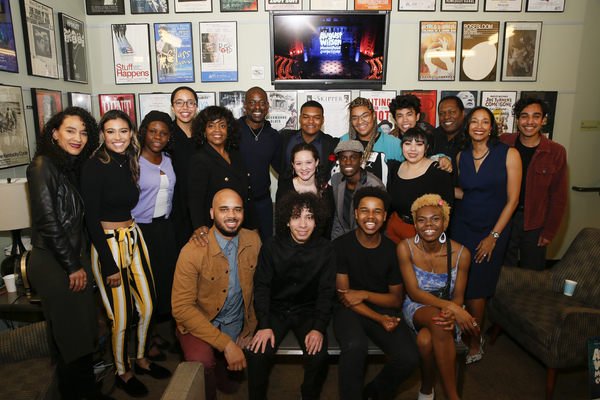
[(14, 216)]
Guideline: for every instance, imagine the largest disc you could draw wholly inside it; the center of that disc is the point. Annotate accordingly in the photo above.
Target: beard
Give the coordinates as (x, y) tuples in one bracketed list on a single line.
[(225, 231)]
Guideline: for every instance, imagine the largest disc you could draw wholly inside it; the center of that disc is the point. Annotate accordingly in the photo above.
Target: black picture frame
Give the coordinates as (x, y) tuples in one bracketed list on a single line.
[(15, 143), (149, 6), (545, 6), (192, 6), (82, 100), (122, 47), (238, 5), (39, 35), (46, 103), (8, 56), (73, 48), (97, 7)]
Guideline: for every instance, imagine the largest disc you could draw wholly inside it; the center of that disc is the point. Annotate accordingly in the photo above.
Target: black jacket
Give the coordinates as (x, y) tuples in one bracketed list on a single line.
[(56, 213), (328, 144)]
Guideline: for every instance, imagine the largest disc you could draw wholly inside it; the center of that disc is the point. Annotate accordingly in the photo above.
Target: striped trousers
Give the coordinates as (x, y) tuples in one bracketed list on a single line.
[(137, 289)]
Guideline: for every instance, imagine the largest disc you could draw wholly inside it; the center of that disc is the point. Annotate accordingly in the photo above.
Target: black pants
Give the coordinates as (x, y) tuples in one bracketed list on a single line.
[(259, 364), (352, 331), (523, 250)]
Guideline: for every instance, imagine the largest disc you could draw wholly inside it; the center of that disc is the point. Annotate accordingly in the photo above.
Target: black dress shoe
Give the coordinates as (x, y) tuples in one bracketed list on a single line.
[(155, 371), (133, 387), (159, 357)]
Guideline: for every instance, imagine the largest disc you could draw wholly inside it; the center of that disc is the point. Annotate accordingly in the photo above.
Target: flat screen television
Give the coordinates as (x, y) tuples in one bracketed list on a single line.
[(329, 50)]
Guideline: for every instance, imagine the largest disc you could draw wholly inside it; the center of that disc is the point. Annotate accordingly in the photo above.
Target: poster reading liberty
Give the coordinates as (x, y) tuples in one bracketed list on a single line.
[(219, 51), (73, 49), (174, 55), (8, 51), (131, 53)]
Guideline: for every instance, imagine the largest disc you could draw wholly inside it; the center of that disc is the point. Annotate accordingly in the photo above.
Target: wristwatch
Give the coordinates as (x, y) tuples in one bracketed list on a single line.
[(495, 235)]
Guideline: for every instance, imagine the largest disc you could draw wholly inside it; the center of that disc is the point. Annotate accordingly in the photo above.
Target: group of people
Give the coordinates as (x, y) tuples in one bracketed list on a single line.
[(180, 218)]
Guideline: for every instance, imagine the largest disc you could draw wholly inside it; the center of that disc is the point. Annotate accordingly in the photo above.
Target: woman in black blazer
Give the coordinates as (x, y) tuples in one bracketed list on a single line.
[(217, 165)]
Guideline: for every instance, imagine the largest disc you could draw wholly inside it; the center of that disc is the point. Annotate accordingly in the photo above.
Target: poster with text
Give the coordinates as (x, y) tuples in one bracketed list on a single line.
[(40, 46), (278, 5), (503, 5), (428, 107), (192, 6), (131, 53), (283, 109), (83, 100), (233, 101), (14, 148), (545, 6), (123, 102), (46, 103), (479, 51), (239, 5), (501, 104), (383, 5), (8, 51), (437, 51), (206, 99), (416, 5), (104, 7), (381, 100), (74, 45), (468, 97), (335, 109), (328, 5), (551, 99), (521, 51), (218, 47), (154, 102), (460, 5), (149, 7), (174, 54)]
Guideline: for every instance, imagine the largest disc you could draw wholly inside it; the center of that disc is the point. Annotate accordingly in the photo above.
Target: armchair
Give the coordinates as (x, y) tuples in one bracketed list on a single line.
[(531, 307)]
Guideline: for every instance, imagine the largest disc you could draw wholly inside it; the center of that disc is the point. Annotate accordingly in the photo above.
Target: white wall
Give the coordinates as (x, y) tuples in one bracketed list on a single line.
[(569, 55)]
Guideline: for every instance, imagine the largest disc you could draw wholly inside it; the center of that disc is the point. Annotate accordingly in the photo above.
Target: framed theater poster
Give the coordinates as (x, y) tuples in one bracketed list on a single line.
[(460, 5), (503, 5), (8, 51), (278, 5), (218, 47), (14, 147), (283, 109), (131, 53), (174, 53), (193, 6), (428, 108), (239, 5), (335, 106), (154, 101), (233, 101), (437, 51), (545, 6), (479, 53), (149, 6), (123, 102), (468, 97), (104, 7), (206, 99), (40, 46), (383, 5), (521, 51), (416, 5), (45, 103), (83, 100), (74, 45), (381, 100), (501, 104), (328, 5)]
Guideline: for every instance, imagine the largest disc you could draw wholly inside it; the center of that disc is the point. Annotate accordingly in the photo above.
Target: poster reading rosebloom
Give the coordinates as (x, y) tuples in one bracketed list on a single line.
[(131, 53), (174, 54)]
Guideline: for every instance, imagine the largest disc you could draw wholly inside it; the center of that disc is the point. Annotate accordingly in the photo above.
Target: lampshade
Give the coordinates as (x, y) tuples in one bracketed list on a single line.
[(14, 211)]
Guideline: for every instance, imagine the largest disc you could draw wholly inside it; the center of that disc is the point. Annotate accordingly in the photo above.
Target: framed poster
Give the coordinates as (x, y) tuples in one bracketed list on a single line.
[(416, 5), (206, 99), (437, 51), (83, 100), (545, 6), (328, 5), (192, 6), (131, 53), (278, 5), (503, 5), (460, 5), (479, 53), (74, 44), (335, 107), (174, 53), (501, 104), (40, 46), (45, 104), (383, 5), (149, 6), (551, 99), (218, 47), (381, 100), (8, 50), (123, 102), (233, 101), (14, 147), (104, 7), (238, 5), (428, 108), (283, 109), (521, 51), (468, 97), (154, 101)]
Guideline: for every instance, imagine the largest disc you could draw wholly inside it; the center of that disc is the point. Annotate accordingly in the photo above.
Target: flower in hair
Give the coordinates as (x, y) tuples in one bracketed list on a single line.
[(441, 203)]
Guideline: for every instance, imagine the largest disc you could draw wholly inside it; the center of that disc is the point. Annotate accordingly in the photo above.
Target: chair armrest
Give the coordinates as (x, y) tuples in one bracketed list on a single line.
[(523, 280), (24, 343), (187, 383), (574, 325)]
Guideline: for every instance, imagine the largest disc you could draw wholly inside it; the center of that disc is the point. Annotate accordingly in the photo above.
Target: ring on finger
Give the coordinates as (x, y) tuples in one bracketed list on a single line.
[(475, 324)]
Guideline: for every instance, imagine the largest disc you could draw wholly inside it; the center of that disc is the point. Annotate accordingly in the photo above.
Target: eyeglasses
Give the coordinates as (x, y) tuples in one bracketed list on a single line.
[(189, 103), (365, 117)]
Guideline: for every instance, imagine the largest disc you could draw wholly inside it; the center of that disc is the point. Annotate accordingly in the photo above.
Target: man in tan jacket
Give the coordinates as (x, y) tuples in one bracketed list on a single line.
[(212, 297)]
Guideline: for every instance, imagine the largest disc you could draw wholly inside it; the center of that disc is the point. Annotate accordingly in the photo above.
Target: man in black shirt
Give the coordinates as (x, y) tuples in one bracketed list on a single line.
[(448, 136), (369, 288), (293, 290)]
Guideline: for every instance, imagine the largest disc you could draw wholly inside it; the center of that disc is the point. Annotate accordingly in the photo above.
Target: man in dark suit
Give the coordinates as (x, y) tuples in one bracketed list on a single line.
[(311, 121)]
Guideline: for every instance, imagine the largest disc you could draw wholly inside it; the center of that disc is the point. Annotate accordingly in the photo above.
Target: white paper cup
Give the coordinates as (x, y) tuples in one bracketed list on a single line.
[(569, 287), (9, 281)]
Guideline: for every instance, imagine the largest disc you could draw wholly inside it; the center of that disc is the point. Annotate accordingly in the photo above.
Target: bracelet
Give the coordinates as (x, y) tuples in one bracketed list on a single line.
[(495, 235)]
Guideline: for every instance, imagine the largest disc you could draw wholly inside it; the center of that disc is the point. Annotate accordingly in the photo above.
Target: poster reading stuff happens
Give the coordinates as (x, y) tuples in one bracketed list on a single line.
[(501, 104), (123, 102), (219, 51), (335, 107), (174, 56), (40, 36), (479, 51), (131, 52), (438, 51), (13, 134), (8, 51), (74, 47)]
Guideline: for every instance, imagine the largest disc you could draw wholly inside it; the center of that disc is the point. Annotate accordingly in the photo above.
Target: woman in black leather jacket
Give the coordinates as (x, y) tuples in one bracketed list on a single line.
[(59, 266)]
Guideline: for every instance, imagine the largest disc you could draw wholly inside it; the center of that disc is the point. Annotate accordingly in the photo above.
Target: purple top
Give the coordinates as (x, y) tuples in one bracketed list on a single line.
[(149, 184)]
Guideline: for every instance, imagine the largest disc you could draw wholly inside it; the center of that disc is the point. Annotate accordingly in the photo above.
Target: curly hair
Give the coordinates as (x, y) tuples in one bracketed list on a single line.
[(132, 152), (494, 137), (216, 113), (405, 101), (362, 102), (46, 145), (141, 135), (526, 102), (320, 178), (292, 203), (431, 200), (371, 191), (419, 134)]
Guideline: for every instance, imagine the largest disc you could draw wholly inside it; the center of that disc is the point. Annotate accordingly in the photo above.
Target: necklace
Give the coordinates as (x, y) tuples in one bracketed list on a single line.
[(120, 164), (483, 156), (256, 135), (427, 256)]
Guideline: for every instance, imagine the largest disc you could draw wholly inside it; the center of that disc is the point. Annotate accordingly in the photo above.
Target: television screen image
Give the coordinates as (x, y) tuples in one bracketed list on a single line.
[(317, 50)]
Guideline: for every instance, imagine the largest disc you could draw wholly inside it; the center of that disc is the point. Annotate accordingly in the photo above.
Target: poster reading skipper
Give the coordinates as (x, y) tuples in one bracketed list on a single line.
[(438, 50), (174, 55), (131, 53)]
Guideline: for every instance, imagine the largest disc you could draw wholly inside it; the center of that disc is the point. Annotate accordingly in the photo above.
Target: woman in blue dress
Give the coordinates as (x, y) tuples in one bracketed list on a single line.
[(424, 263), (490, 181)]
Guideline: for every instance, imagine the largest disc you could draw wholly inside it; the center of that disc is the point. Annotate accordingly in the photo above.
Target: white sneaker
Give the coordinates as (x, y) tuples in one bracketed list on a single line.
[(430, 396)]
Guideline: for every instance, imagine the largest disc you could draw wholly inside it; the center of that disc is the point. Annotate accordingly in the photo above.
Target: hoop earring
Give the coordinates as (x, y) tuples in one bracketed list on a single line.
[(442, 238), (417, 238)]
